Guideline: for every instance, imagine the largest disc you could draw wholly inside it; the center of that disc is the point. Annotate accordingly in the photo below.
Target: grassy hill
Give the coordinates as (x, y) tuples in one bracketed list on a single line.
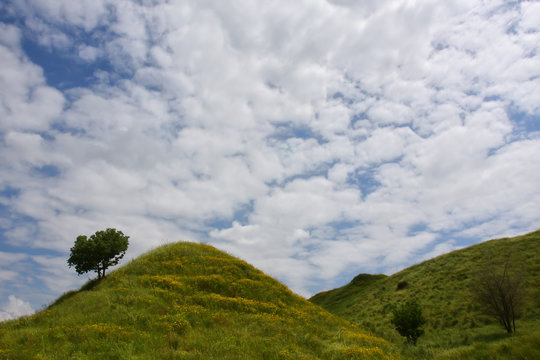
[(187, 301), (456, 326)]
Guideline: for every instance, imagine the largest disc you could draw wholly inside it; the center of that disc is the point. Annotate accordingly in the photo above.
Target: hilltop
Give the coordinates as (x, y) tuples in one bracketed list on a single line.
[(186, 301), (456, 328)]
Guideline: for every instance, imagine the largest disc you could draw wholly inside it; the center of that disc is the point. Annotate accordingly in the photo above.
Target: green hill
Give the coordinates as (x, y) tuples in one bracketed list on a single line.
[(456, 328), (186, 301)]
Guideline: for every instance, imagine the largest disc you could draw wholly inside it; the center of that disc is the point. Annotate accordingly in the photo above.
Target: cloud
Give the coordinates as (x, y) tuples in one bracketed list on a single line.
[(85, 14), (6, 275), (326, 137), (27, 103), (89, 53), (530, 15), (14, 309)]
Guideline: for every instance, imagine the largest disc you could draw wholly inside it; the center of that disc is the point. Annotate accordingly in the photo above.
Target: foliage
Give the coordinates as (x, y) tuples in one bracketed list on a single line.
[(498, 290), (408, 320), (402, 285), (99, 252), (187, 301), (454, 323)]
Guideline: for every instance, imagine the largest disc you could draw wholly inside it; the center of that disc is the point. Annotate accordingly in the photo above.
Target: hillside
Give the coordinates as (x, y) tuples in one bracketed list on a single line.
[(456, 327), (186, 301)]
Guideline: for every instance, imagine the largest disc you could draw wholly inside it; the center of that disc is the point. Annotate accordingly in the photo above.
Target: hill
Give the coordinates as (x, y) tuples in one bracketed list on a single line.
[(457, 328), (186, 301)]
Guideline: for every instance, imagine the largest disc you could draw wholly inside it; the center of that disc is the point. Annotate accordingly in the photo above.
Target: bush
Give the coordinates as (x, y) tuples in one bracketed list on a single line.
[(402, 285), (498, 289), (408, 320)]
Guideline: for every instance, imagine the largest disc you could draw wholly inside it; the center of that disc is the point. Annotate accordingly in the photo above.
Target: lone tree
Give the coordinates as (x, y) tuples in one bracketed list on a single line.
[(408, 320), (98, 252), (499, 292)]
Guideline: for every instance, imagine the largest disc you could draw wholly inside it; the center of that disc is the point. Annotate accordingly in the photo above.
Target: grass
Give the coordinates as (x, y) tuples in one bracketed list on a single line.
[(457, 327), (187, 301)]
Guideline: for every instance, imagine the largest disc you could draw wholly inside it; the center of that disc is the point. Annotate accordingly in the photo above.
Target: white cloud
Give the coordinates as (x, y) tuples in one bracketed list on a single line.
[(9, 258), (14, 309), (320, 136), (384, 145), (530, 19), (27, 104), (11, 36), (86, 14), (89, 53), (6, 275)]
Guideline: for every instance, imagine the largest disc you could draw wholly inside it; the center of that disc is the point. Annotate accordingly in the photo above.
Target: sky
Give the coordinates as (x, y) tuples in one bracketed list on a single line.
[(315, 139)]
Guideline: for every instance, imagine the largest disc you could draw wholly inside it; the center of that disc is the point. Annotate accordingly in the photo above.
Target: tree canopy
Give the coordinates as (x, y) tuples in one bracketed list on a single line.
[(98, 252)]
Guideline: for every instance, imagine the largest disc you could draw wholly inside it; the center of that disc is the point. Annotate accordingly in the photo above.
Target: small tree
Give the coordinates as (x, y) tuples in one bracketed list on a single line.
[(499, 292), (408, 320), (99, 252)]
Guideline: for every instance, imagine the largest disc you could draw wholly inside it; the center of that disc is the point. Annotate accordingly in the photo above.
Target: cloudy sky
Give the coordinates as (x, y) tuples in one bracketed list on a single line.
[(315, 139)]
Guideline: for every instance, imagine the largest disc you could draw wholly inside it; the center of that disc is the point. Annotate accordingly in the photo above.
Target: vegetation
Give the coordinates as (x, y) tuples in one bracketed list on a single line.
[(498, 290), (408, 320), (191, 301), (457, 326), (99, 252), (187, 301)]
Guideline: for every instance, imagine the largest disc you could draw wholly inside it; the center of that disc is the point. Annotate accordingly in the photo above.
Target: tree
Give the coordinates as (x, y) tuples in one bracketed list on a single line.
[(99, 252), (408, 320), (499, 292)]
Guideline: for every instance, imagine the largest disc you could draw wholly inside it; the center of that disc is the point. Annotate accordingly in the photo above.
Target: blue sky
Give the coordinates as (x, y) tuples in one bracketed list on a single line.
[(314, 139)]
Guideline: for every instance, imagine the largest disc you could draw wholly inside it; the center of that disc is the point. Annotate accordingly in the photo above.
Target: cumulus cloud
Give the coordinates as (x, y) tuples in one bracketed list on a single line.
[(15, 308), (27, 103), (315, 139)]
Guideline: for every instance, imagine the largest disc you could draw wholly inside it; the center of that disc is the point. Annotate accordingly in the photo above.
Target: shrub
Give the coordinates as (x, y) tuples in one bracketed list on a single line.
[(499, 292), (402, 285), (408, 320)]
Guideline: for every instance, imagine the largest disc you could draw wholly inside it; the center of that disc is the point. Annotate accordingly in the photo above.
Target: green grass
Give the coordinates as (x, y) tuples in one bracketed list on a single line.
[(187, 301), (456, 327)]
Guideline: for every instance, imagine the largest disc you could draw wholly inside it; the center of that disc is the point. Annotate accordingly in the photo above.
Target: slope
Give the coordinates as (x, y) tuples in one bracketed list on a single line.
[(186, 301), (457, 326)]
